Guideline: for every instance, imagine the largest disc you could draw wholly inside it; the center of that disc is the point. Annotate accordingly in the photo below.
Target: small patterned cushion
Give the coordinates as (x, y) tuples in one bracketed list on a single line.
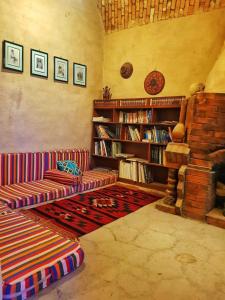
[(69, 166)]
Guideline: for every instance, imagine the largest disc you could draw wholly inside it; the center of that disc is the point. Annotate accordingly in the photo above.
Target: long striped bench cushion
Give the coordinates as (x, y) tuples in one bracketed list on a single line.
[(93, 179), (34, 192), (32, 256), (25, 167)]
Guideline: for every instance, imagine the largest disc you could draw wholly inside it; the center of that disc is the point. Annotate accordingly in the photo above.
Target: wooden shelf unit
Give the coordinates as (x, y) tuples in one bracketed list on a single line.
[(160, 114)]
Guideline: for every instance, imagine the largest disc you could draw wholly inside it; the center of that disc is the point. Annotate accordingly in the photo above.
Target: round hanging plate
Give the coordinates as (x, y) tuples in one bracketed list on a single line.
[(154, 82), (126, 70)]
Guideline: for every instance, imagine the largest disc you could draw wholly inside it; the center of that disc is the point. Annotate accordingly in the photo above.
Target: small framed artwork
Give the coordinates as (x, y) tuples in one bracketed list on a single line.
[(79, 74), (61, 69), (12, 56), (38, 63)]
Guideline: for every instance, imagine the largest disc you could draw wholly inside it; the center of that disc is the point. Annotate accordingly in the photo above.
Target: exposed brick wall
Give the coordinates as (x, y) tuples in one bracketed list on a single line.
[(207, 134)]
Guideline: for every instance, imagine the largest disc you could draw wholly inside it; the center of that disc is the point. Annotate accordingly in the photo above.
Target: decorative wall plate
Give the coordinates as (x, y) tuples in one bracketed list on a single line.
[(154, 83), (126, 70)]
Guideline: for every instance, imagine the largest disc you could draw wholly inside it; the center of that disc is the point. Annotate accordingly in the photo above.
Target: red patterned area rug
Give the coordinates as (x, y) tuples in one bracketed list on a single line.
[(84, 213)]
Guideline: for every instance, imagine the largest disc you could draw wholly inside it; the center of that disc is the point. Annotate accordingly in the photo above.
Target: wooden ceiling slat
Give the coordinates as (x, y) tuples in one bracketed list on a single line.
[(122, 14)]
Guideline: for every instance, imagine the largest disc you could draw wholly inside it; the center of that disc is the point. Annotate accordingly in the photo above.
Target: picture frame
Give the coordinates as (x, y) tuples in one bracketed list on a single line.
[(12, 56), (38, 63), (79, 74), (61, 69)]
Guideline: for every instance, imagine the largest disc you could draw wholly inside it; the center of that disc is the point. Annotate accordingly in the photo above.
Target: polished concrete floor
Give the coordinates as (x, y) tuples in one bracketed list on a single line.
[(148, 255)]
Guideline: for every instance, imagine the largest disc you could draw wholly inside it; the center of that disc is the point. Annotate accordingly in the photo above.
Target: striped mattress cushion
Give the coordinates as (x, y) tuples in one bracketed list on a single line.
[(34, 192), (62, 177), (39, 258), (94, 179)]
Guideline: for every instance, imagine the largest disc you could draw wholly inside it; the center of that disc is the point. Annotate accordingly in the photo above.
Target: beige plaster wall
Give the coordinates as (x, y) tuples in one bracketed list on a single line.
[(40, 114), (215, 81), (183, 49)]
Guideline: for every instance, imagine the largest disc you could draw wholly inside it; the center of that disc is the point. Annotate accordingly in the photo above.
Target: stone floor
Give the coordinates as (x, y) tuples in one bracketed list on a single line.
[(148, 255)]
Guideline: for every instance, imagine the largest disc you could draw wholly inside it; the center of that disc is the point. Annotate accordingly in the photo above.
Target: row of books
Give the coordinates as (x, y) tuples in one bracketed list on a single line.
[(158, 155), (133, 102), (140, 116), (116, 149), (152, 101), (103, 148), (157, 135), (132, 133), (107, 132), (167, 101), (135, 169), (108, 103), (176, 100)]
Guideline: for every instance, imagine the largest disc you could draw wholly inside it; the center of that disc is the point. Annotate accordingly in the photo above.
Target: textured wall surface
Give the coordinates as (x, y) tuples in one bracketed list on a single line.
[(216, 80), (40, 114), (183, 49)]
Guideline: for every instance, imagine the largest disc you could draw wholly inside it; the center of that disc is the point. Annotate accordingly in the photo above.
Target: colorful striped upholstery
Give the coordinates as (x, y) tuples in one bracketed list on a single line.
[(62, 177), (25, 167), (34, 192), (32, 256), (81, 156), (94, 179), (39, 258)]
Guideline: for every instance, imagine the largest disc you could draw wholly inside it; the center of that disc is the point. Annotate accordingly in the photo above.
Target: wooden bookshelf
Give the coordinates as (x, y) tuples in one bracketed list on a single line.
[(124, 123)]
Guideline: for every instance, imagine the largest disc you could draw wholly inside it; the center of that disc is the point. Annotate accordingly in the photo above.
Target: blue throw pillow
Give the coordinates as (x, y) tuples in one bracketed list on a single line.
[(69, 166)]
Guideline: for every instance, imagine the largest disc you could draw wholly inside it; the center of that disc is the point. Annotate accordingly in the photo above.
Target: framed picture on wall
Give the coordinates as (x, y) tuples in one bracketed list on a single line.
[(38, 63), (12, 56), (61, 69), (79, 74)]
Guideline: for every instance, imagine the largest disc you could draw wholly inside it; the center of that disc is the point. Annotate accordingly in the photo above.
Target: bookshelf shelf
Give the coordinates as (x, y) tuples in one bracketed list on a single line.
[(106, 157), (153, 185), (120, 125), (143, 124), (128, 141), (155, 165), (146, 107)]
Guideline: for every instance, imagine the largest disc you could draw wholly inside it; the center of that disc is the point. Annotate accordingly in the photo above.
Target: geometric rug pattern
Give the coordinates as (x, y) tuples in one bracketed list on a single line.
[(83, 213)]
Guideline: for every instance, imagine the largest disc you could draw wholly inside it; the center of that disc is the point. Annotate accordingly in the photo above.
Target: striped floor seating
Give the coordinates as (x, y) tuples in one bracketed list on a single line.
[(32, 256), (34, 192), (22, 183), (93, 179)]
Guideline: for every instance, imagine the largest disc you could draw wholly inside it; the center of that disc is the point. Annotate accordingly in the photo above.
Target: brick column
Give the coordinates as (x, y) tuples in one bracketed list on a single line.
[(206, 134), (199, 192)]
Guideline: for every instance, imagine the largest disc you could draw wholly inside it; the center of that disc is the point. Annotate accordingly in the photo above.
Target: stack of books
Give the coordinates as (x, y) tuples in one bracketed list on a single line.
[(140, 116), (158, 155), (103, 148), (107, 132), (101, 119), (135, 169), (132, 133), (157, 136)]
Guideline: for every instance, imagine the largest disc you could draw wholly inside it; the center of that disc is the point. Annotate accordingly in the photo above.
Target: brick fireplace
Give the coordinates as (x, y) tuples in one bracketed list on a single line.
[(206, 134)]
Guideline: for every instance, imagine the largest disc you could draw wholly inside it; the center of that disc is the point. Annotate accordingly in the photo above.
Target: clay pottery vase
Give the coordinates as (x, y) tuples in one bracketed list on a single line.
[(178, 132)]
